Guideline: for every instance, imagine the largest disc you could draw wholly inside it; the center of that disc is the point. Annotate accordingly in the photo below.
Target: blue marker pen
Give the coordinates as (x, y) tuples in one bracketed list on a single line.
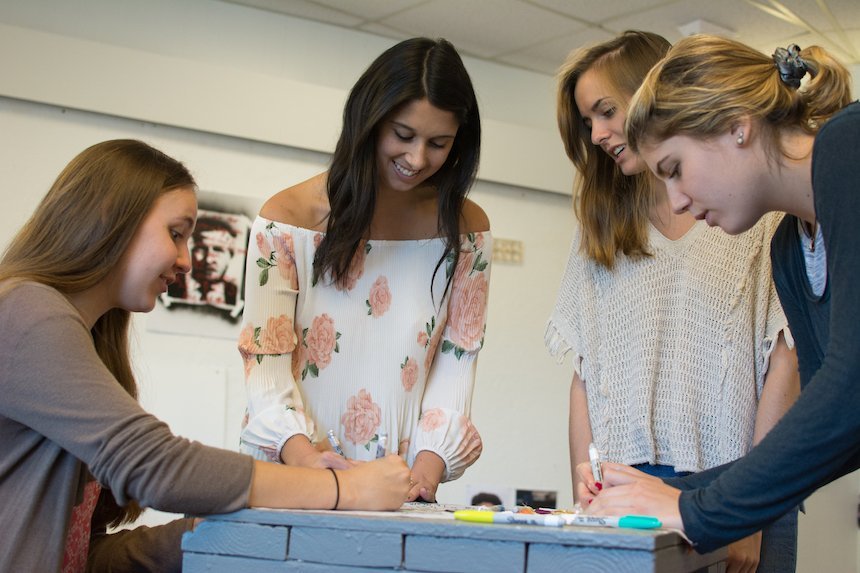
[(335, 444), (381, 445)]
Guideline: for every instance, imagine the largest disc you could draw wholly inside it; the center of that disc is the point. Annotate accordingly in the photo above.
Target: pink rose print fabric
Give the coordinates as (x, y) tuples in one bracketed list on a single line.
[(433, 342), (361, 419), (452, 436), (276, 251), (248, 348), (469, 295), (379, 300), (382, 353), (319, 342), (466, 319), (277, 338), (433, 419), (409, 373), (470, 445)]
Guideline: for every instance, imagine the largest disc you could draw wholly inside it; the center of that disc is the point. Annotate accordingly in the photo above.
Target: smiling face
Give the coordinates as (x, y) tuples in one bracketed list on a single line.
[(413, 144), (716, 180), (158, 252), (603, 114)]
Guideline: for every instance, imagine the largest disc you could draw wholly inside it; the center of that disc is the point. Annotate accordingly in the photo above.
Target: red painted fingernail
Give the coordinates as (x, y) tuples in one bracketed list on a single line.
[(599, 486), (589, 501)]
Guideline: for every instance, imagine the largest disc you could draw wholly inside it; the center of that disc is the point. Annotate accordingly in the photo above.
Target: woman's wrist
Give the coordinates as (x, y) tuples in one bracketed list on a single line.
[(429, 467), (336, 488), (298, 451)]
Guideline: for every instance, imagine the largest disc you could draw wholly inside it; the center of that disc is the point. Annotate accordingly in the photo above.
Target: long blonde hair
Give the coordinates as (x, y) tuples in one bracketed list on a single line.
[(612, 207), (81, 229), (707, 84)]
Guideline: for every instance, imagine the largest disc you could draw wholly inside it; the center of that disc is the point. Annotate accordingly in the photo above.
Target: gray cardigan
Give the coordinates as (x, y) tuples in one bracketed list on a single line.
[(63, 418)]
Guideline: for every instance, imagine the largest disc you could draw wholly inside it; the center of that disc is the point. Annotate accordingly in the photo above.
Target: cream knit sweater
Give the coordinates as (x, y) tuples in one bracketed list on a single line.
[(673, 349)]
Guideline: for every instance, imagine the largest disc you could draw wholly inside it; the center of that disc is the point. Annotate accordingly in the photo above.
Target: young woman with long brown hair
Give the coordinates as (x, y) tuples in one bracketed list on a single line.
[(679, 343), (735, 135), (79, 453)]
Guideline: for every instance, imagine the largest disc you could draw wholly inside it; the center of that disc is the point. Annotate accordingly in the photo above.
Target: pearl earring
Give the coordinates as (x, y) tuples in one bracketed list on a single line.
[(741, 138)]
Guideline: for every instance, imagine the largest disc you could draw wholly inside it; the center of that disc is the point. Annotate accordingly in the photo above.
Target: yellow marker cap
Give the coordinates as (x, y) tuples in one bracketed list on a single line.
[(474, 515)]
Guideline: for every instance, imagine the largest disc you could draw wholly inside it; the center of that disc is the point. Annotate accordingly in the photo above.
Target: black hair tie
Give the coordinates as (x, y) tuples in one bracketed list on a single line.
[(791, 66), (337, 488)]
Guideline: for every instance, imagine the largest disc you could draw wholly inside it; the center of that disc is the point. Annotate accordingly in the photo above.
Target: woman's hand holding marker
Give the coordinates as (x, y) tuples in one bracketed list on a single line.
[(629, 491)]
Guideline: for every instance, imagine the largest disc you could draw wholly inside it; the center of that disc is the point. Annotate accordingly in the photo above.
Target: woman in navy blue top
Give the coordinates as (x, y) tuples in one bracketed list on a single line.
[(734, 135)]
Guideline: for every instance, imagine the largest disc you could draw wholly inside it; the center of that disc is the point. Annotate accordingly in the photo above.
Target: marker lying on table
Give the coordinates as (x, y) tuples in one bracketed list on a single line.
[(556, 520), (483, 516), (335, 444), (631, 521)]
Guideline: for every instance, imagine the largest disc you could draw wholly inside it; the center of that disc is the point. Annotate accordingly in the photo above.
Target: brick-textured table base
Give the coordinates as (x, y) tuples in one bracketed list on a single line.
[(263, 541)]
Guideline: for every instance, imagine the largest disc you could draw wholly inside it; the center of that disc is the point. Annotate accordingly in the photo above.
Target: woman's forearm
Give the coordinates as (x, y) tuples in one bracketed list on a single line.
[(781, 388)]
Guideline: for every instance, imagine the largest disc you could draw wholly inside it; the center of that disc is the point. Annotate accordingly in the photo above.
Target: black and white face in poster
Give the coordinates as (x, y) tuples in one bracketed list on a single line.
[(217, 246)]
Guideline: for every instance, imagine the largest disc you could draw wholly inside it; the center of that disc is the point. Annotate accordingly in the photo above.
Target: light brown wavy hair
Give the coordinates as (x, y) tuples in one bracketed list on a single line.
[(612, 207), (707, 84), (78, 234)]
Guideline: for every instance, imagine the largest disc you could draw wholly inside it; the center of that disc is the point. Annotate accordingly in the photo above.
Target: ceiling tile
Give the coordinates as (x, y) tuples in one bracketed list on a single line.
[(594, 12), (745, 20), (368, 10), (385, 31), (554, 52), (528, 62), (507, 26), (846, 13), (303, 9), (538, 34)]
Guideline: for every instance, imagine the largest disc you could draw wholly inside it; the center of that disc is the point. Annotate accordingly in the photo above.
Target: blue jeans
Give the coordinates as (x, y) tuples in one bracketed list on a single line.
[(778, 540), (660, 471)]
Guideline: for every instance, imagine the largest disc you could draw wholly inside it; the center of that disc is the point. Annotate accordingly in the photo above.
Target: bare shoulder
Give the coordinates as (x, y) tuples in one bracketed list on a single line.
[(303, 205), (474, 218)]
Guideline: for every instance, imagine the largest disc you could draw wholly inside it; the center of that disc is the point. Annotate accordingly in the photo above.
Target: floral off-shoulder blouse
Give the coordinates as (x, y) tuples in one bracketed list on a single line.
[(381, 355)]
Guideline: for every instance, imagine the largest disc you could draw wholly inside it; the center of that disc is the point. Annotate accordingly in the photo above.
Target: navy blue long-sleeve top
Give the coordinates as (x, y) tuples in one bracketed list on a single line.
[(818, 439)]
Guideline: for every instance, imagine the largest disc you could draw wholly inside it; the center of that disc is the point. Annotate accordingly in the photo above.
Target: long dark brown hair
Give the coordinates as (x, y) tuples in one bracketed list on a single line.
[(411, 70), (78, 234)]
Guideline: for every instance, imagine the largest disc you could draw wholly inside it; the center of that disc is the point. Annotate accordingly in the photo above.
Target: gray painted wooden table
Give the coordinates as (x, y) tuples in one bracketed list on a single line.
[(264, 541)]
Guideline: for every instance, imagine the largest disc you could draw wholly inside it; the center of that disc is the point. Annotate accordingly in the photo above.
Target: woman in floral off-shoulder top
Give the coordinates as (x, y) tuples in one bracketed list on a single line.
[(367, 285)]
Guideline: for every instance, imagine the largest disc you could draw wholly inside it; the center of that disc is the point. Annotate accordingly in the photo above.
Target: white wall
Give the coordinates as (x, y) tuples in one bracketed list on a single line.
[(195, 383), (251, 102)]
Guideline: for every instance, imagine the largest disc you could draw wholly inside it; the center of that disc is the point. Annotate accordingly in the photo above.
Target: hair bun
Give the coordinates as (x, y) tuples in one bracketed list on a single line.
[(791, 66)]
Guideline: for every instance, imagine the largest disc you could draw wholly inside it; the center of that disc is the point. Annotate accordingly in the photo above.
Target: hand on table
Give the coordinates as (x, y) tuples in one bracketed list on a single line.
[(426, 474), (378, 485)]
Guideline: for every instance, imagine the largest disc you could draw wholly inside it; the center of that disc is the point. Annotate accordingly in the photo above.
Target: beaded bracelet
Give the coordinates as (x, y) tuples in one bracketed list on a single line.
[(337, 488)]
